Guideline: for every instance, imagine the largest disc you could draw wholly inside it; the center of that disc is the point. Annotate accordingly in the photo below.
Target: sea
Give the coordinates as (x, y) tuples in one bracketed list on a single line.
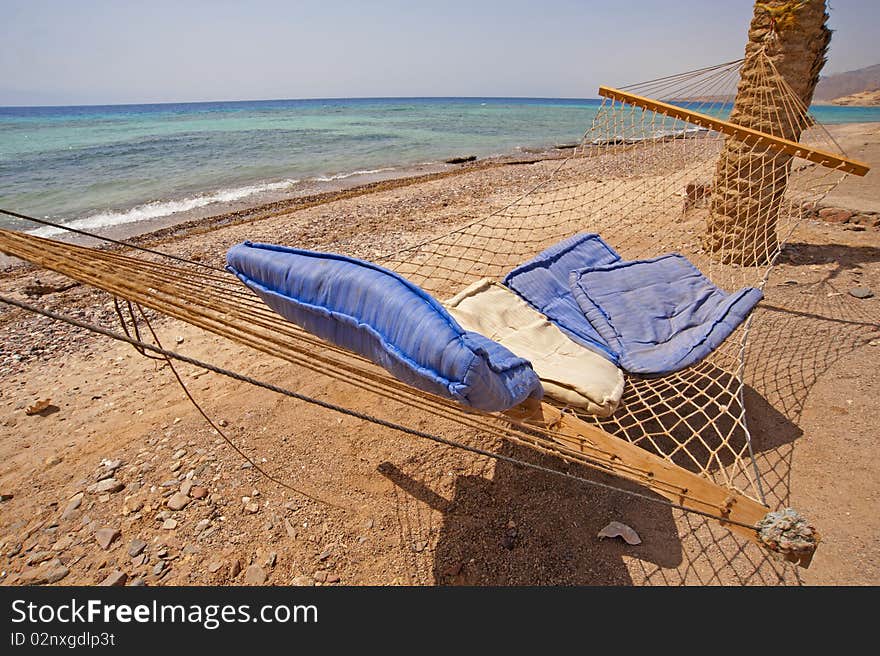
[(102, 168)]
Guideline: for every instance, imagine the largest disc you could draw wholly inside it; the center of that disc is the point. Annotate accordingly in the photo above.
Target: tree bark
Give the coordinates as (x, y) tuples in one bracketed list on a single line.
[(750, 183)]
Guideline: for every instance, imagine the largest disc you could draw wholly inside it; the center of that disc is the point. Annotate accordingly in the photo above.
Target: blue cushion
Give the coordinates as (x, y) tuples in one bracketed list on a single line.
[(543, 283), (367, 309), (659, 315)]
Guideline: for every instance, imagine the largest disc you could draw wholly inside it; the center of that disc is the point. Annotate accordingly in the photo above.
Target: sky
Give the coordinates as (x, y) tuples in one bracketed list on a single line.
[(65, 52)]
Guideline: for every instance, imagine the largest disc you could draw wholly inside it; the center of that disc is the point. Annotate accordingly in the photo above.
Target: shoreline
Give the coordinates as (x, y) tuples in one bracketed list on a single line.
[(170, 228), (191, 227)]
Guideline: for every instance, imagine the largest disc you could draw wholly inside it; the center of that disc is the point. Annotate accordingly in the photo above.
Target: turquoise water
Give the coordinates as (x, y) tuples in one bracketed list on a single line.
[(97, 167)]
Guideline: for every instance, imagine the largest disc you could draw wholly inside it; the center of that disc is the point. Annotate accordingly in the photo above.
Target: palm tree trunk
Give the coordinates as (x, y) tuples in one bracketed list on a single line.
[(750, 183)]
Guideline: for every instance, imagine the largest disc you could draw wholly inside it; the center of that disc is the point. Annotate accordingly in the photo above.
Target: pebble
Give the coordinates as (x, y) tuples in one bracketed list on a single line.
[(106, 537), (137, 582), (72, 506), (169, 524), (115, 578), (136, 547), (303, 581), (252, 507), (51, 461), (235, 568), (111, 465), (178, 454), (177, 501), (131, 504), (271, 559), (215, 566), (291, 531), (208, 532), (110, 485), (63, 543), (861, 292), (320, 576), (158, 568), (49, 572), (38, 557), (255, 575), (198, 492), (186, 487), (6, 497), (619, 530), (139, 561)]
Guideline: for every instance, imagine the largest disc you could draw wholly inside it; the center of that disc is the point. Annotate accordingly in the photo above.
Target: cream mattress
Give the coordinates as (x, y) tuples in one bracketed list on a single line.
[(569, 372)]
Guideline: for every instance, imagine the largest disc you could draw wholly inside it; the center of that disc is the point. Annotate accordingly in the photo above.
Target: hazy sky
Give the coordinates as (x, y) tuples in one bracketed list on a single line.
[(102, 51)]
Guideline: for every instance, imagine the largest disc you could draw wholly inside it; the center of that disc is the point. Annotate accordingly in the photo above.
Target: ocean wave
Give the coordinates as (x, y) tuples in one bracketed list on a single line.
[(343, 176), (158, 209)]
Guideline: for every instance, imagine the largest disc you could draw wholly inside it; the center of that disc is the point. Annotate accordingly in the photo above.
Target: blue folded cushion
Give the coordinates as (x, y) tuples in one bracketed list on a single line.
[(367, 309), (659, 315), (543, 283)]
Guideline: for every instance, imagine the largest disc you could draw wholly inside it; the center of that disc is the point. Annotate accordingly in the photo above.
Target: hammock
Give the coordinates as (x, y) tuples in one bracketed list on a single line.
[(665, 167)]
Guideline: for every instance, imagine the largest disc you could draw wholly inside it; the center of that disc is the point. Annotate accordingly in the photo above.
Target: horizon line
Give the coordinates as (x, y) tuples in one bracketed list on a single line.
[(318, 99)]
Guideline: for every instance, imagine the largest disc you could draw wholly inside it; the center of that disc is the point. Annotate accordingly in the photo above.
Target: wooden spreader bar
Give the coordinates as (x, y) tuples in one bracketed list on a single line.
[(744, 134)]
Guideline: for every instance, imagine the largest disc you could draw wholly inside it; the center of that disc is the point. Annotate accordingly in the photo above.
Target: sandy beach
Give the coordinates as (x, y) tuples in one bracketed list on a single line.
[(400, 511)]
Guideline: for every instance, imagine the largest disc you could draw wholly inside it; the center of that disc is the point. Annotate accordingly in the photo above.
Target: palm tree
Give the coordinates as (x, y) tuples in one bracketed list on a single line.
[(787, 40)]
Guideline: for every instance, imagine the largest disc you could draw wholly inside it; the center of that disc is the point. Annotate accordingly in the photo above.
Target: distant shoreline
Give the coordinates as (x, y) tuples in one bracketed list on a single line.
[(530, 99)]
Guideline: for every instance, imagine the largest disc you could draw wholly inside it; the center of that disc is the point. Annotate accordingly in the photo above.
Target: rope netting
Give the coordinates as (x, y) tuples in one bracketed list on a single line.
[(649, 181)]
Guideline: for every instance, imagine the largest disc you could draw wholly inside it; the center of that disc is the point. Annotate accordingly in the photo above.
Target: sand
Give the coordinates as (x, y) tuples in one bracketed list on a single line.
[(400, 511)]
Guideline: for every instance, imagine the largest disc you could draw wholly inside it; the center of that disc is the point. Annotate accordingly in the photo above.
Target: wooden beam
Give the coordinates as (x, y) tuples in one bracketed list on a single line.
[(742, 133)]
